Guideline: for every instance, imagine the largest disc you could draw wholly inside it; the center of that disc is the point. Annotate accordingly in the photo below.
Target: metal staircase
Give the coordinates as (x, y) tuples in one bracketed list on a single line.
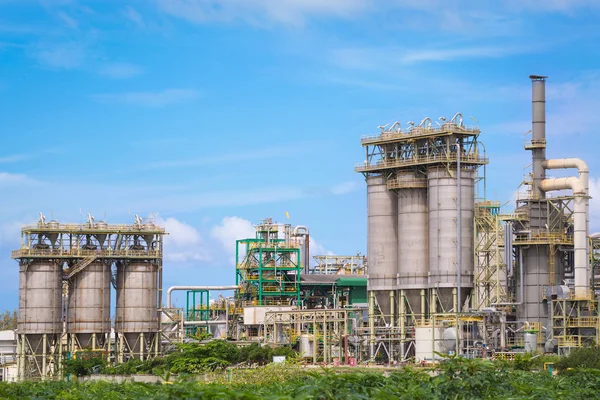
[(80, 266)]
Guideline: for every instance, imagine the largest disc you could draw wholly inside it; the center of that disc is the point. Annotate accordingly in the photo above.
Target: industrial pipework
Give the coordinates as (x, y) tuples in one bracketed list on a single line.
[(209, 288)]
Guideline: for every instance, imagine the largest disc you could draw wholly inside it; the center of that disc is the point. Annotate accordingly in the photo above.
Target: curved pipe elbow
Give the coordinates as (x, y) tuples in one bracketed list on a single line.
[(549, 185), (565, 163), (304, 228)]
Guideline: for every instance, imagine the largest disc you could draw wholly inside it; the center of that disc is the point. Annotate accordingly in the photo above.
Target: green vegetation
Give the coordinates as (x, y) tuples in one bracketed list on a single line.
[(190, 358), (8, 320), (455, 378), (585, 357)]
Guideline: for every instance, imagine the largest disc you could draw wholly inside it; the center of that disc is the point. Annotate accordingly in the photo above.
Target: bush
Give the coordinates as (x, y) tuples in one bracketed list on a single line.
[(584, 357)]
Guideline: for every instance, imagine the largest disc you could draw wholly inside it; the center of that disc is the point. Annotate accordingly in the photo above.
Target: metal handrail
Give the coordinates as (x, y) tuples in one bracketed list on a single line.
[(418, 131), (86, 228), (25, 252), (428, 159)]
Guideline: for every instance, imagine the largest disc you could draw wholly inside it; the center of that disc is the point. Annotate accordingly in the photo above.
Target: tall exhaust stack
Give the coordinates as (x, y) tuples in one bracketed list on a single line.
[(538, 132)]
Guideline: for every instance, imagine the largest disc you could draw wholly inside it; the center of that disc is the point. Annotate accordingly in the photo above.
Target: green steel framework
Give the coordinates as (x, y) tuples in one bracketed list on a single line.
[(269, 271), (197, 308)]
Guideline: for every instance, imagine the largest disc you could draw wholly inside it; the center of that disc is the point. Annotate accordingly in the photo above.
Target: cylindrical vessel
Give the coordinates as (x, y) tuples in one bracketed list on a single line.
[(89, 303), (531, 341), (40, 298), (137, 301), (413, 238), (428, 341), (382, 242), (443, 233)]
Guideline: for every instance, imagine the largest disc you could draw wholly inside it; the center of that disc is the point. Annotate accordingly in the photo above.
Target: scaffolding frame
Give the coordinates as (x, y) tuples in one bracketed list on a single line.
[(491, 276)]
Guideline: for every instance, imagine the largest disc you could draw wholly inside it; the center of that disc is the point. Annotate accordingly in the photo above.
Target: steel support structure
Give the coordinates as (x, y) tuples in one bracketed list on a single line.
[(75, 247)]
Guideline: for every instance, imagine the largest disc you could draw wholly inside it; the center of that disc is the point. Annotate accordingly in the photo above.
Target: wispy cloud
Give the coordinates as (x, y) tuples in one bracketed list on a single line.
[(132, 15), (258, 12), (120, 70), (14, 158), (7, 179), (371, 57), (68, 20), (60, 56), (270, 152), (148, 99)]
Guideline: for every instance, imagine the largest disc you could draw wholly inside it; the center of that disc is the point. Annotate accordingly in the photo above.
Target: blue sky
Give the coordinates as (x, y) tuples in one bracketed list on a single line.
[(214, 114)]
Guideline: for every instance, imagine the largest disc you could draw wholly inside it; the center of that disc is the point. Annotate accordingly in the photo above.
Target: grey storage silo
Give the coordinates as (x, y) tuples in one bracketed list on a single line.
[(382, 240), (443, 235), (40, 301), (413, 238), (89, 305), (137, 302)]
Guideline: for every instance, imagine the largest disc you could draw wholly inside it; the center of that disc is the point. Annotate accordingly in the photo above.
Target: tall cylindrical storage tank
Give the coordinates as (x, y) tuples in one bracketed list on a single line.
[(40, 300), (137, 302), (89, 304), (382, 242), (413, 238), (443, 236)]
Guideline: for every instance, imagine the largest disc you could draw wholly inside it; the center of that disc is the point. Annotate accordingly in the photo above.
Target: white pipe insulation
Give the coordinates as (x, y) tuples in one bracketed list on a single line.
[(584, 172), (579, 225), (172, 288)]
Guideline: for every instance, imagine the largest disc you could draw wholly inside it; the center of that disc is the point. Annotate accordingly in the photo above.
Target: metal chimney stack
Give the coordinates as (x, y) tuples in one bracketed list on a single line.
[(538, 132)]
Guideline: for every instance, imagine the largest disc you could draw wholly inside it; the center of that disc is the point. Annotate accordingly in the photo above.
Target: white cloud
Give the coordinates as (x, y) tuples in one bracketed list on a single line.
[(231, 229), (148, 99), (317, 249), (8, 178), (10, 233), (365, 58), (67, 20), (131, 14), (14, 158), (257, 12), (184, 243), (60, 56), (120, 70)]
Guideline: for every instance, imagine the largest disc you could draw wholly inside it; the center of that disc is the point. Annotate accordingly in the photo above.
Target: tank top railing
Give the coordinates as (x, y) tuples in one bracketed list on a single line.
[(25, 252), (420, 160)]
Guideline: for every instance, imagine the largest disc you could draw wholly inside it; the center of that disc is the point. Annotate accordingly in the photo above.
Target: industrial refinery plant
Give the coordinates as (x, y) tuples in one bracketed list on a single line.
[(447, 271)]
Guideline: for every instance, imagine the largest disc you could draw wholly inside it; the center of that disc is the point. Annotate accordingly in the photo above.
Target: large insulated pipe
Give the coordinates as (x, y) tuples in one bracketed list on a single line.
[(173, 288), (579, 226), (538, 132), (584, 172)]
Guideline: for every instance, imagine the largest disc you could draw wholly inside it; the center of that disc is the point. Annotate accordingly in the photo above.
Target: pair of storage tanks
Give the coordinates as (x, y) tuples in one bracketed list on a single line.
[(88, 305), (413, 236)]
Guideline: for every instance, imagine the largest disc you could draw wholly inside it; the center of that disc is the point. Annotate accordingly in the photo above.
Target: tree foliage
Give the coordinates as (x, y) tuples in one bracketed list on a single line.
[(8, 320), (196, 358), (584, 357)]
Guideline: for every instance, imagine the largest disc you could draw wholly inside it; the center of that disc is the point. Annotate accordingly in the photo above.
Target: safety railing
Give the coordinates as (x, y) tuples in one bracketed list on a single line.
[(569, 341), (582, 322), (81, 253), (76, 228), (420, 160), (535, 144), (396, 183), (417, 131), (542, 237), (255, 303)]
